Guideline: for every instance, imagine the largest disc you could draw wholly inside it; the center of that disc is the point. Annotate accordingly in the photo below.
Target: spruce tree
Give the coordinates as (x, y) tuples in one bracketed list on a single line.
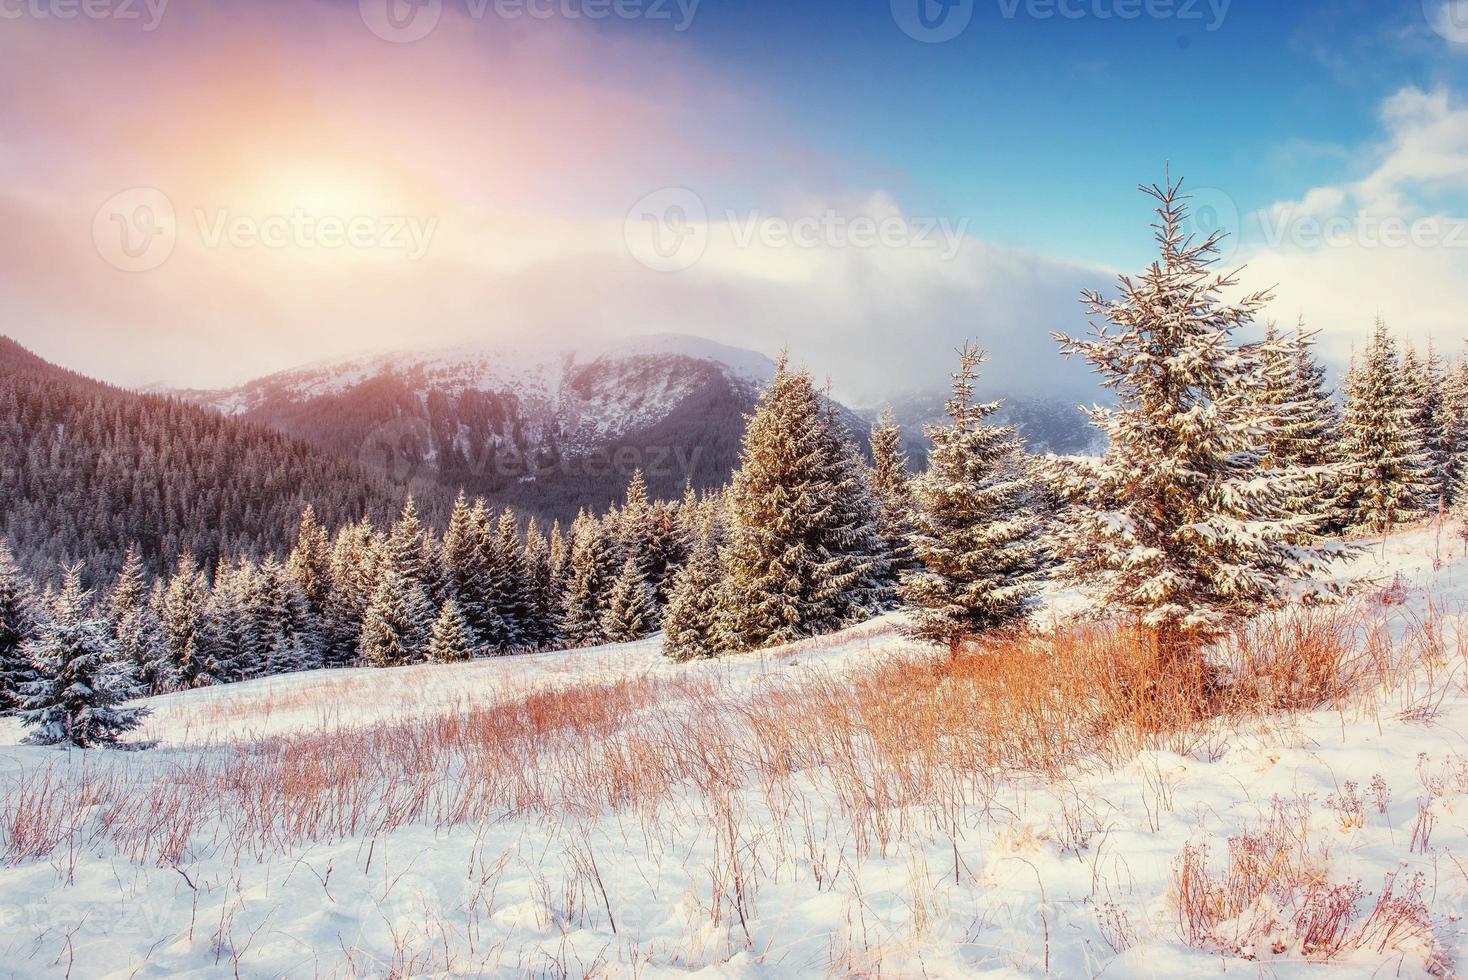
[(182, 624), (290, 638), (631, 612), (691, 621), (450, 642), (891, 487), (545, 616), (357, 555), (409, 548), (975, 528), (466, 571), (1183, 528), (396, 628), (229, 640), (803, 556), (1455, 431), (508, 584), (17, 627), (76, 697), (1389, 469), (1426, 392), (1299, 424), (587, 583), (134, 626), (309, 569)]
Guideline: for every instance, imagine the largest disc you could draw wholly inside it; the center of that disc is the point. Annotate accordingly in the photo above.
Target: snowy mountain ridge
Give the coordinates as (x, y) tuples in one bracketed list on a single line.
[(535, 373)]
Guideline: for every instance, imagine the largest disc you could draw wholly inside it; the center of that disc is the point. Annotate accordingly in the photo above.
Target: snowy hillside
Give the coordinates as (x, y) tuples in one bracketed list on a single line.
[(605, 812), (546, 429)]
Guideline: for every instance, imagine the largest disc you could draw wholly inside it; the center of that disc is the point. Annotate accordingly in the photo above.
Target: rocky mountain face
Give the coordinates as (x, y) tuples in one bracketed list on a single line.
[(545, 430)]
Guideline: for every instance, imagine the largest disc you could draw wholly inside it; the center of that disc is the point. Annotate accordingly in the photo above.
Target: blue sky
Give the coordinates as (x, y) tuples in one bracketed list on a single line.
[(1039, 129)]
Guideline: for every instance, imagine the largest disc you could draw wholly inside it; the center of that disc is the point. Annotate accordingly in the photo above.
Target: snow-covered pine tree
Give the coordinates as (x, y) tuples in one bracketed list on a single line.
[(560, 557), (466, 572), (1183, 528), (1455, 431), (80, 684), (450, 642), (398, 624), (588, 580), (857, 533), (508, 583), (1425, 389), (409, 547), (543, 630), (159, 674), (182, 624), (309, 569), (356, 556), (17, 626), (631, 611), (803, 556), (134, 629), (976, 532), (230, 644), (690, 623), (1389, 469), (891, 488), (290, 638), (1299, 423)]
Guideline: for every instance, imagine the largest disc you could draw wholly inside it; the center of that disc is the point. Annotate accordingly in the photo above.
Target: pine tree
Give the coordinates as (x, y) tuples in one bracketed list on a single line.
[(975, 528), (229, 639), (1389, 468), (587, 584), (1425, 392), (1183, 527), (182, 624), (17, 627), (134, 626), (309, 569), (290, 638), (803, 556), (891, 488), (1299, 424), (466, 571), (396, 628), (508, 584), (407, 547), (631, 611), (691, 620), (80, 681), (356, 558), (544, 623), (450, 642), (1455, 431)]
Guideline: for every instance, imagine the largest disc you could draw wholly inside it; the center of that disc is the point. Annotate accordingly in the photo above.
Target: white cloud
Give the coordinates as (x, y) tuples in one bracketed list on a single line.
[(1394, 241)]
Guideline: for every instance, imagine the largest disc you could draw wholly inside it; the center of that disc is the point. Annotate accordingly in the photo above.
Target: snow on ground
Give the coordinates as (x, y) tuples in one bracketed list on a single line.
[(1072, 877)]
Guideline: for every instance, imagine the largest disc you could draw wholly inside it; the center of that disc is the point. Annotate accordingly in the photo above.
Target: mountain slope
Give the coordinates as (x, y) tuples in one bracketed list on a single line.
[(86, 469), (546, 430)]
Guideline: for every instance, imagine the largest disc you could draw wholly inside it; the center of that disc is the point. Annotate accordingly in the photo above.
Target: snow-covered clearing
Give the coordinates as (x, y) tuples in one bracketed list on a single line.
[(605, 812)]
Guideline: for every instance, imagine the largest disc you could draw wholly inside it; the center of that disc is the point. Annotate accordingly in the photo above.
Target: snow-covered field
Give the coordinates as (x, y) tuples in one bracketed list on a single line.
[(604, 812)]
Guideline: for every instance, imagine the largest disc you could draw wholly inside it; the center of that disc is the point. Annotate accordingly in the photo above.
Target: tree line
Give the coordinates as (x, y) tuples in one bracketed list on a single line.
[(1230, 469)]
